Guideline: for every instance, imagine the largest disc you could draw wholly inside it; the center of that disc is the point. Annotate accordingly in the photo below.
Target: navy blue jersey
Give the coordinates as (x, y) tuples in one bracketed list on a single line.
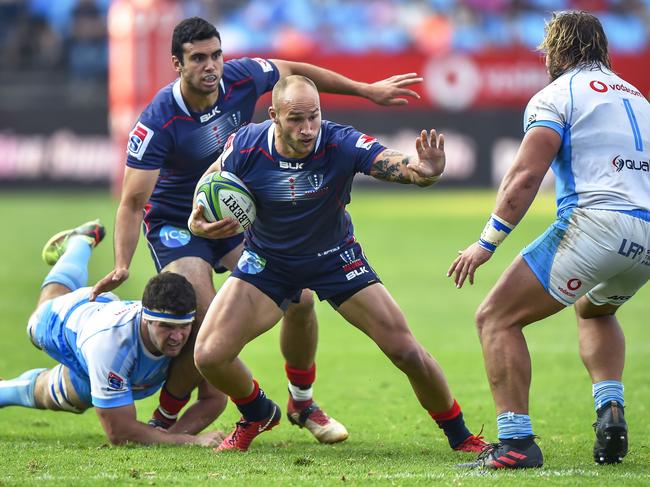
[(300, 202), (182, 143)]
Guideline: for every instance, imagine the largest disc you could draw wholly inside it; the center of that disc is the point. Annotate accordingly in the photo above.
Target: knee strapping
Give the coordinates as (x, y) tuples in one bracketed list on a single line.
[(57, 389)]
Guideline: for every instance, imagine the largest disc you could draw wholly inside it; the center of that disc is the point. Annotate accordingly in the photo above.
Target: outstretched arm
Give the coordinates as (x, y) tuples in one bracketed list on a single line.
[(136, 190), (121, 427), (516, 193), (424, 169), (389, 91)]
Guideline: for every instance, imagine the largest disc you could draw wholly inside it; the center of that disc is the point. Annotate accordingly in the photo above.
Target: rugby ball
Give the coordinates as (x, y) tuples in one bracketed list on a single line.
[(222, 194)]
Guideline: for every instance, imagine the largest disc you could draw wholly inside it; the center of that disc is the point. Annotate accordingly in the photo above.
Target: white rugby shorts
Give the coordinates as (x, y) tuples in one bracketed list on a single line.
[(601, 253)]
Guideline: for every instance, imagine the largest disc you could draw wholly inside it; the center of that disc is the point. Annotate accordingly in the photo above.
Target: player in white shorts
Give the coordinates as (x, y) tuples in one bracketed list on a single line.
[(110, 352), (593, 129)]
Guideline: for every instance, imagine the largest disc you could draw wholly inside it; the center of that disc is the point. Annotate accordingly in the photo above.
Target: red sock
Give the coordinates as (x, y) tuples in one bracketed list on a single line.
[(446, 415), (169, 406), (301, 377), (300, 383), (452, 424)]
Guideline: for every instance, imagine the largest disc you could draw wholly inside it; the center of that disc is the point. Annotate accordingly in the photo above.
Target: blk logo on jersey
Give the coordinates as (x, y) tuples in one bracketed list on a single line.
[(207, 116), (296, 166), (115, 382), (619, 163), (174, 237), (139, 139), (365, 142)]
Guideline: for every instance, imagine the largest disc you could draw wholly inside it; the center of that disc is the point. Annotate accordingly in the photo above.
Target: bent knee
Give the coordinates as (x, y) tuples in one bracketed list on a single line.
[(207, 355), (488, 319), (406, 354)]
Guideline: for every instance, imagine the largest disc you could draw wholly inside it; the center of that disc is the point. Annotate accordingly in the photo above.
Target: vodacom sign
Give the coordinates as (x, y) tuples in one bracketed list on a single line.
[(495, 80)]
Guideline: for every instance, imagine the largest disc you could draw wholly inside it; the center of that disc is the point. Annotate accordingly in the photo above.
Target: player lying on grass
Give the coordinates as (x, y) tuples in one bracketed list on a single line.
[(110, 352), (303, 239)]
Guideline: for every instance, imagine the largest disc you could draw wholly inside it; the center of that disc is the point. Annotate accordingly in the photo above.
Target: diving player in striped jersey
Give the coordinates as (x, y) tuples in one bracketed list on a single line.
[(110, 352)]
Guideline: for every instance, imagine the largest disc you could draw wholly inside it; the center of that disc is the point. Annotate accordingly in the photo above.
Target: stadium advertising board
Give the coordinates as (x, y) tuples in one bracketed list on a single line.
[(476, 100)]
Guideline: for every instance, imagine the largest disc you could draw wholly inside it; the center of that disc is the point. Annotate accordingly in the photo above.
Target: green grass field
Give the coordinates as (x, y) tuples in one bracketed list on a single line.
[(410, 237)]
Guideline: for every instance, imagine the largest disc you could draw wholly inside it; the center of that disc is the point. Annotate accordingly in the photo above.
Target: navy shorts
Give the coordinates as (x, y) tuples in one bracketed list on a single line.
[(335, 276), (169, 241)]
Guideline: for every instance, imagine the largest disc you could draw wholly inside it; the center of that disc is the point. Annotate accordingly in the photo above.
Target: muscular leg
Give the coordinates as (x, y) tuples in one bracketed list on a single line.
[(42, 389), (602, 349), (374, 312), (299, 333), (516, 300), (602, 343), (239, 313), (51, 291)]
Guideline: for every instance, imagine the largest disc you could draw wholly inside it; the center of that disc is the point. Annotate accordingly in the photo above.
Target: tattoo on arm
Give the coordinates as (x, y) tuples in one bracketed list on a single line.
[(391, 167)]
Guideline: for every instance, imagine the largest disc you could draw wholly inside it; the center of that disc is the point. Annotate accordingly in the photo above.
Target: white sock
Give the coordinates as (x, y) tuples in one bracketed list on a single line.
[(299, 394)]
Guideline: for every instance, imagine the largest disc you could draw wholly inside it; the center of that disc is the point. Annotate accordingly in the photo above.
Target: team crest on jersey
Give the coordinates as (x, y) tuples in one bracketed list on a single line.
[(365, 141), (266, 66), (316, 180), (115, 382), (348, 256), (139, 139)]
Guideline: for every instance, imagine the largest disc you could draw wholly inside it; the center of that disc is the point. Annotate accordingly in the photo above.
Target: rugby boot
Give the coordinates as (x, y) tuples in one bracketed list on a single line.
[(611, 434), (509, 454), (473, 444), (93, 231), (246, 431), (324, 428)]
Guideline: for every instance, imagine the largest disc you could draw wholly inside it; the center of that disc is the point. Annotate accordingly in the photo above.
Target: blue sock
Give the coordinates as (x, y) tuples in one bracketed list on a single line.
[(514, 426), (607, 391), (19, 391), (72, 268)]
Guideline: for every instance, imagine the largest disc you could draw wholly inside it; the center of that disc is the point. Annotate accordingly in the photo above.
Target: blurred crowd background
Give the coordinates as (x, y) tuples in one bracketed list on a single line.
[(71, 35), (64, 113)]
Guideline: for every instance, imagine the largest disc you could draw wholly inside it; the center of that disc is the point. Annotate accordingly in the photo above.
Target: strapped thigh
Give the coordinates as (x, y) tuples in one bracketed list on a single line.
[(58, 388)]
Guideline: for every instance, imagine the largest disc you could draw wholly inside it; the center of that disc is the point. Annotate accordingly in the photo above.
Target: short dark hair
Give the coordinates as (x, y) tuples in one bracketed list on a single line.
[(170, 292), (574, 38), (190, 30)]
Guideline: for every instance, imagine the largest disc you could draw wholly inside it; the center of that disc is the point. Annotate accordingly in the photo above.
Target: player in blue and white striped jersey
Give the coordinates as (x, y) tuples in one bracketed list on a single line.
[(593, 129), (110, 352)]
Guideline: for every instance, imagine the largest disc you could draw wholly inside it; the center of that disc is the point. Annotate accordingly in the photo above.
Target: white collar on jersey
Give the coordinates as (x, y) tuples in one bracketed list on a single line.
[(271, 132), (176, 90)]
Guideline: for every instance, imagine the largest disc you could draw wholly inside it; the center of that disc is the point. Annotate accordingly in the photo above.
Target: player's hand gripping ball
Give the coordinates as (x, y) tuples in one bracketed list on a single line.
[(222, 194)]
